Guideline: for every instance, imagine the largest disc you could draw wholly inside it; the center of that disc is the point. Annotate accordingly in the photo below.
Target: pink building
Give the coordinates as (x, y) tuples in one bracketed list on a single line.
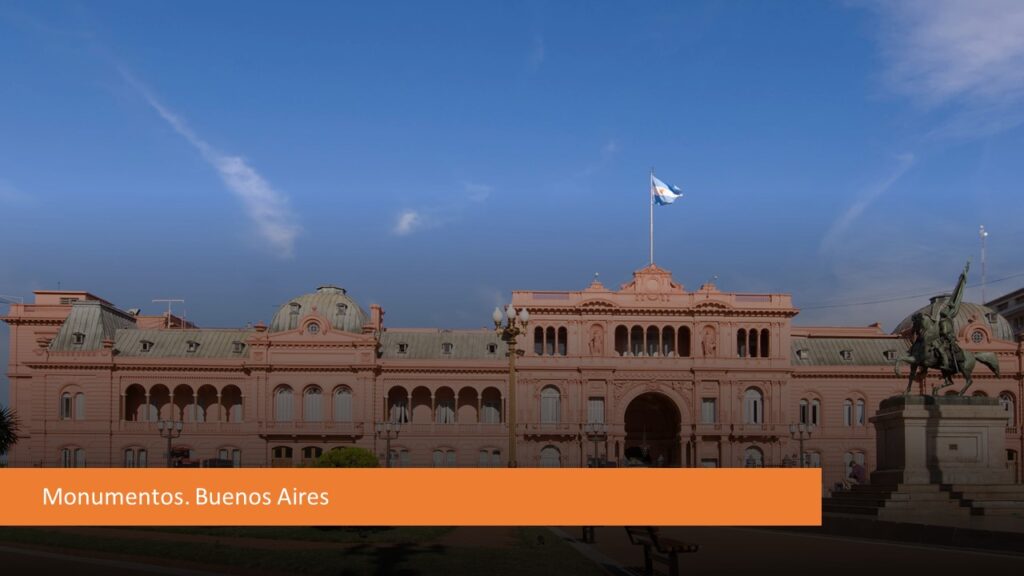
[(672, 377)]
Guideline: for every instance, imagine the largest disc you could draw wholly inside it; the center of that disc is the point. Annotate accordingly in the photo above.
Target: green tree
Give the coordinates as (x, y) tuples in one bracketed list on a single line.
[(8, 428), (347, 457)]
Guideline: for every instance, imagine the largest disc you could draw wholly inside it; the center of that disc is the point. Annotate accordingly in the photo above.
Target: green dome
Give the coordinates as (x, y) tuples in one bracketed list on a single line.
[(969, 313), (329, 302)]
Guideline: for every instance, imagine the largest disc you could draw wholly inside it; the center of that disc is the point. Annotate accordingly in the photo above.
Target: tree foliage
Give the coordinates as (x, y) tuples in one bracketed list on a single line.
[(8, 428), (347, 457)]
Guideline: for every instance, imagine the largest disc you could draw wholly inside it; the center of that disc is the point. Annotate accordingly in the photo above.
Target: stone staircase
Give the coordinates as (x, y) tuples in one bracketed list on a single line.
[(928, 503), (990, 499)]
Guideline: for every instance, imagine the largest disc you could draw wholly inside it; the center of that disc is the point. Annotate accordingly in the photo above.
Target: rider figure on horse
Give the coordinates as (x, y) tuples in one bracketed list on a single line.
[(946, 349)]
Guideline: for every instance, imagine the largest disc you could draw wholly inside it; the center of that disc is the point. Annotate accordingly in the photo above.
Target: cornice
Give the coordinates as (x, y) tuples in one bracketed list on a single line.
[(701, 310)]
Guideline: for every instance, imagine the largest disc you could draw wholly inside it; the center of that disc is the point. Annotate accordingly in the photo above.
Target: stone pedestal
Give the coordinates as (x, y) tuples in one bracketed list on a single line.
[(940, 440)]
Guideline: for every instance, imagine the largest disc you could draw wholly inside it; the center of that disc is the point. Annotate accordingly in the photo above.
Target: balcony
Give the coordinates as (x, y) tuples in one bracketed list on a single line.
[(548, 429), (271, 428), (454, 429)]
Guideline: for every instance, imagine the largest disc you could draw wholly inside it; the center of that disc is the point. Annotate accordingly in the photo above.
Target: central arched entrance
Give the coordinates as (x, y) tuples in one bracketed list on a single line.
[(652, 431)]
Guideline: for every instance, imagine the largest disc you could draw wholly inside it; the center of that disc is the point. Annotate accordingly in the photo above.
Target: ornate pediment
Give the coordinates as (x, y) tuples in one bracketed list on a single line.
[(652, 280)]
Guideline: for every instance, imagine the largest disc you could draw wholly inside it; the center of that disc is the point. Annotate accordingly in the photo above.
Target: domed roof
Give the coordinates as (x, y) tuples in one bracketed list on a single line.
[(328, 302), (969, 312)]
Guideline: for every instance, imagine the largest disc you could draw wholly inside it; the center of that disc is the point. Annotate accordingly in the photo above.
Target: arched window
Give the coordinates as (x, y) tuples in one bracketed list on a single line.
[(489, 458), (444, 411), (231, 402), (310, 454), (538, 341), (72, 457), (752, 344), (858, 414), (684, 341), (444, 458), (283, 408), (741, 343), (232, 454), (312, 404), (1006, 401), (398, 405), (804, 408), (66, 406), (549, 342), (342, 404), (847, 412), (621, 340), (668, 341), (753, 457), (563, 341), (765, 334), (550, 405), (636, 340), (653, 338), (815, 412), (135, 458), (753, 406), (491, 406), (282, 457), (550, 457)]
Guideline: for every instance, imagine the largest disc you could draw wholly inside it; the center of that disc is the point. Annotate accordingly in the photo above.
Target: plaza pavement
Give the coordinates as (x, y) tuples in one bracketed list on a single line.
[(729, 551)]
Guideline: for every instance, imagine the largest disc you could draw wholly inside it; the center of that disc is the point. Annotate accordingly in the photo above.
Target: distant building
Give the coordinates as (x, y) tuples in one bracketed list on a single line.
[(678, 377), (1011, 307)]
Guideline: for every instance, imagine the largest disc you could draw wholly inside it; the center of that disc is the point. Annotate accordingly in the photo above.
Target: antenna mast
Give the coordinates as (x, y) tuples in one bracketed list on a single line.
[(169, 301)]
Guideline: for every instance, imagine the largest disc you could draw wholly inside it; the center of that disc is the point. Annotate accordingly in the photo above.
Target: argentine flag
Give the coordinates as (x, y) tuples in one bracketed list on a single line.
[(663, 193)]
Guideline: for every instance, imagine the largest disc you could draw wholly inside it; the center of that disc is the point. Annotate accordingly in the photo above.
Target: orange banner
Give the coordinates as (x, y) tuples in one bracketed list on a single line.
[(411, 497)]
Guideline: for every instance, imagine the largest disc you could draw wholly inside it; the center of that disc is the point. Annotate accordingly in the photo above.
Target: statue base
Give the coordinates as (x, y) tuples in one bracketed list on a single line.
[(940, 440)]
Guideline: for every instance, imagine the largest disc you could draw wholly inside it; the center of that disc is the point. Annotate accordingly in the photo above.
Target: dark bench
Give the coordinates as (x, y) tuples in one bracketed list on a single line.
[(657, 547)]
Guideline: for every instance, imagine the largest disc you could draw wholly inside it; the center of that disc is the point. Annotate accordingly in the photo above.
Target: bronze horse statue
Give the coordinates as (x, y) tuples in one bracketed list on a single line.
[(923, 355)]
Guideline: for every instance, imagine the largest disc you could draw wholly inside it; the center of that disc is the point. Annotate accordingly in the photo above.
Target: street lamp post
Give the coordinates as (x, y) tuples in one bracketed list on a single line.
[(801, 432), (389, 431), (514, 325), (169, 429), (596, 432)]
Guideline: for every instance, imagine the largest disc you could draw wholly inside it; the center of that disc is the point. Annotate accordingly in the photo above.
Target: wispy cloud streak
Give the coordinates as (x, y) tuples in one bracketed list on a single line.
[(945, 49), (265, 207), (965, 58), (865, 199)]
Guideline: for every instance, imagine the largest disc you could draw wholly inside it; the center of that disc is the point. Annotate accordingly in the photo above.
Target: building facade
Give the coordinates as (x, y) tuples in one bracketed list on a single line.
[(670, 377), (1011, 307)]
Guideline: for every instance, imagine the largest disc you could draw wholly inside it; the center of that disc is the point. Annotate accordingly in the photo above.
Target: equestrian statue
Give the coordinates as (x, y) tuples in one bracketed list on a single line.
[(935, 344)]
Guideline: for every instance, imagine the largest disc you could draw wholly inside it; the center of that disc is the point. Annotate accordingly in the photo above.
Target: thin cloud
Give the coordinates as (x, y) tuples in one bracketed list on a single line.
[(477, 192), (967, 55), (412, 220), (864, 200), (266, 207), (408, 222)]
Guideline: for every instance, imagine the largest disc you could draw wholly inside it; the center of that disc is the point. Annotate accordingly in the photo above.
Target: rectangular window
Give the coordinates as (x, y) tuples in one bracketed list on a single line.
[(65, 407), (595, 410), (129, 458), (860, 413), (708, 410)]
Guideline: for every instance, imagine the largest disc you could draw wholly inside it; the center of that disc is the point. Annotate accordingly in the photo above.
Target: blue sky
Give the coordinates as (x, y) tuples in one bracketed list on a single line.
[(431, 157)]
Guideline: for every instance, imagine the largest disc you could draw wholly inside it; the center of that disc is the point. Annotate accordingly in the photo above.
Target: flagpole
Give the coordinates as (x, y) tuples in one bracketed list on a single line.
[(651, 186)]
